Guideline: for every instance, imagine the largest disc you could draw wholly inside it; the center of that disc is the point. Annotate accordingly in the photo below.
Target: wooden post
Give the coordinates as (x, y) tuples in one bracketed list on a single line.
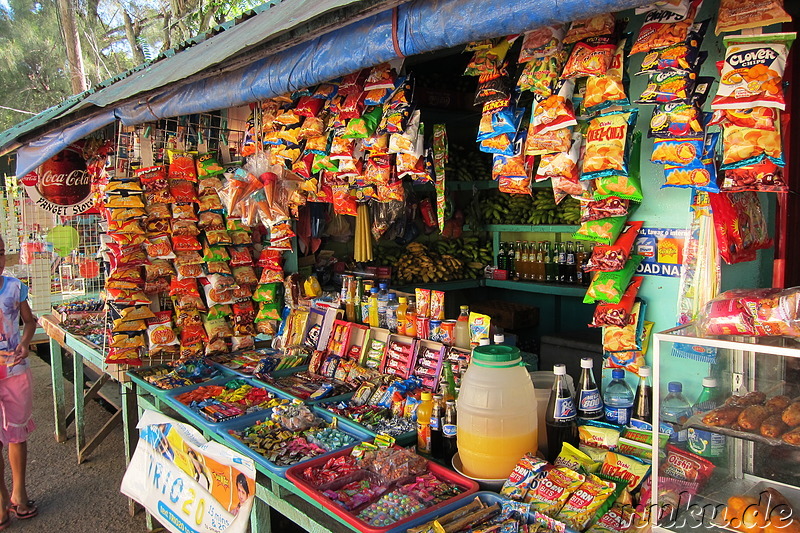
[(57, 376)]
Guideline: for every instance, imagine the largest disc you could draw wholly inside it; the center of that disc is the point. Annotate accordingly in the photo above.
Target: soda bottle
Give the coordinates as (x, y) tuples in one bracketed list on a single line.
[(590, 404), (383, 300), (391, 312), (550, 263), (462, 339), (618, 399), (449, 433), (373, 308), (706, 443), (501, 256), (570, 264), (401, 315), (642, 415), (411, 318), (424, 411), (561, 415), (365, 303), (561, 260), (347, 297), (357, 298), (437, 416), (675, 410), (511, 264)]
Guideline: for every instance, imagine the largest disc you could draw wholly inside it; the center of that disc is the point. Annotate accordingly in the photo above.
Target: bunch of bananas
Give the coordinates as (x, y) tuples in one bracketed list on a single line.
[(419, 265), (473, 252), (468, 165), (387, 255), (540, 208)]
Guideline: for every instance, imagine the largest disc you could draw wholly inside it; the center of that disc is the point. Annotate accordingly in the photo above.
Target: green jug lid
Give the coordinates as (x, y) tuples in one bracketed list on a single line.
[(495, 353)]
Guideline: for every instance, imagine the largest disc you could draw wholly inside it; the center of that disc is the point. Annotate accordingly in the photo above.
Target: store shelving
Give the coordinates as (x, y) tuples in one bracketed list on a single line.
[(575, 291), (443, 286), (539, 228)]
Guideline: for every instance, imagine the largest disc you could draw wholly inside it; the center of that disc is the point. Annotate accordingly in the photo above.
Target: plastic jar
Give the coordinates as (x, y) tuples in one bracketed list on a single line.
[(497, 422)]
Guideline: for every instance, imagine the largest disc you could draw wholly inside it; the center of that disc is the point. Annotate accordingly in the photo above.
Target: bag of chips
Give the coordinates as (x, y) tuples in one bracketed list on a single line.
[(626, 338), (662, 28), (207, 166), (540, 76), (555, 112), (607, 314), (678, 152), (699, 174), (735, 15), (752, 74), (182, 165), (554, 489), (610, 286), (612, 257), (590, 27), (740, 225), (607, 90), (666, 86), (611, 206), (584, 503), (590, 57), (606, 142), (747, 146), (604, 230), (542, 42), (764, 176)]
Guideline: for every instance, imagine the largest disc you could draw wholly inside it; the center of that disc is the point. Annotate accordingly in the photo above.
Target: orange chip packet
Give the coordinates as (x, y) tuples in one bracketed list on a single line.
[(735, 15), (664, 28)]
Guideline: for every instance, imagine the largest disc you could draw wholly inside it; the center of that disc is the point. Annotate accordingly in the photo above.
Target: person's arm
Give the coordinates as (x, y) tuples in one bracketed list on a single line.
[(29, 329)]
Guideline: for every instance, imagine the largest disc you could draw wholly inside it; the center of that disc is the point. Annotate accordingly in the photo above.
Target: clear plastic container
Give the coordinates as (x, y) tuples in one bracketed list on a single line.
[(497, 413)]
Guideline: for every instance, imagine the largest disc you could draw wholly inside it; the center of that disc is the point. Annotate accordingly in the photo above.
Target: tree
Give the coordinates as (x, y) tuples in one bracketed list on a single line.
[(72, 44)]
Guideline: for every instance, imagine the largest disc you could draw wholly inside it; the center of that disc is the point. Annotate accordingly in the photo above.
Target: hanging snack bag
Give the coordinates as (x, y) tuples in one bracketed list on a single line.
[(208, 166), (607, 90), (735, 15), (747, 146), (554, 141), (610, 286), (662, 28), (590, 57), (160, 333), (676, 119), (182, 165), (606, 314), (606, 140), (678, 152), (540, 75), (604, 230), (613, 257), (740, 225), (626, 187), (666, 86), (156, 187), (555, 112), (764, 176), (607, 207), (759, 117), (681, 56), (752, 74), (542, 42), (626, 338), (700, 173), (590, 27), (488, 59)]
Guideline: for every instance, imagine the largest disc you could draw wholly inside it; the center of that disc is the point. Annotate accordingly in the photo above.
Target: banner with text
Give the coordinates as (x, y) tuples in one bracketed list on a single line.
[(662, 249), (188, 484)]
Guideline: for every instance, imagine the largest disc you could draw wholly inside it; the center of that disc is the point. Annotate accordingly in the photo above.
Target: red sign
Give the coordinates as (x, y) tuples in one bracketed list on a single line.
[(62, 185)]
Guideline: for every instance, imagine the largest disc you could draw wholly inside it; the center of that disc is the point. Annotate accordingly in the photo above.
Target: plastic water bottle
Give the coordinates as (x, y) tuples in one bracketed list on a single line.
[(383, 301), (590, 404), (618, 399), (706, 443), (391, 312), (675, 410)]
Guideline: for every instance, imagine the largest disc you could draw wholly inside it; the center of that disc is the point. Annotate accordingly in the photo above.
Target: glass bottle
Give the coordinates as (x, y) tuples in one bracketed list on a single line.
[(365, 303), (580, 259), (437, 414), (560, 418), (642, 415), (449, 432), (590, 404), (462, 337), (570, 264), (519, 261), (510, 260), (501, 256), (550, 264), (538, 263)]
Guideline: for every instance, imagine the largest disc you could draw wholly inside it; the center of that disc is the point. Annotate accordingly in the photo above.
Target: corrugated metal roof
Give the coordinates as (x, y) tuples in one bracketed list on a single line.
[(10, 135)]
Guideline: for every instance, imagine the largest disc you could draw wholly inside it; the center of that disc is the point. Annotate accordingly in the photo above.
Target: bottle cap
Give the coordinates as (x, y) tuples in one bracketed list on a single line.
[(499, 338), (373, 290), (465, 308), (383, 285), (644, 371), (426, 396), (437, 396), (675, 386), (587, 362), (618, 373), (559, 370), (497, 353), (709, 382), (484, 342), (450, 402), (403, 299)]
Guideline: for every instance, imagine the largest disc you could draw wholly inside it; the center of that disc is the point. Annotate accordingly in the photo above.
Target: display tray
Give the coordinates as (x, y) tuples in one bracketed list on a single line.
[(197, 418), (245, 366), (290, 393), (696, 422), (294, 474), (161, 393), (488, 499), (224, 429), (404, 439)]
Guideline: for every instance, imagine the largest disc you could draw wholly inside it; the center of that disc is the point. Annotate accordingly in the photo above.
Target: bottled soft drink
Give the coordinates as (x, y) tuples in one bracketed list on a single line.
[(365, 303), (642, 415), (561, 417), (706, 443), (449, 432), (424, 411), (550, 263), (401, 315), (462, 339), (675, 410), (590, 404), (391, 312), (570, 264), (357, 298), (561, 261), (618, 399), (373, 308), (538, 262), (511, 257), (411, 318), (383, 300), (501, 256), (437, 416)]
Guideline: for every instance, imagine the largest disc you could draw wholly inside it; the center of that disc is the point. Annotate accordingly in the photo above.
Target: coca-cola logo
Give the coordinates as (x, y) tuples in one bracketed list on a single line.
[(30, 179), (72, 179)]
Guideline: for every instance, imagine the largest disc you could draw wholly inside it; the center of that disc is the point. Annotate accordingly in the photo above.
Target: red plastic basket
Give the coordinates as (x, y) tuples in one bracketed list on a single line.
[(294, 474)]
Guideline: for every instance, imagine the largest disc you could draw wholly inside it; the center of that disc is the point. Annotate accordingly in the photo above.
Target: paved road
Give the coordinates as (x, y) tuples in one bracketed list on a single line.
[(71, 497)]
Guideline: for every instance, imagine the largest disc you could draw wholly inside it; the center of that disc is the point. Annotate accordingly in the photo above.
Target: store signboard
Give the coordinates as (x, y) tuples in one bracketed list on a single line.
[(188, 484), (62, 185), (662, 249)]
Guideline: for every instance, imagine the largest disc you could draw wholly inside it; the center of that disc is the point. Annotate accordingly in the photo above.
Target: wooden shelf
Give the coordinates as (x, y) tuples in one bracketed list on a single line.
[(539, 288), (443, 286)]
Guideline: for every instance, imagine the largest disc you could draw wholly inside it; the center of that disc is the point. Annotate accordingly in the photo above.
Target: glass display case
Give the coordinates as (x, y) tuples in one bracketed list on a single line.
[(753, 452)]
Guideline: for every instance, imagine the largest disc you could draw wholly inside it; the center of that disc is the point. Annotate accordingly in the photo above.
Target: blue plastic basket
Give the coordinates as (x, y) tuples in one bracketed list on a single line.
[(162, 393), (239, 424)]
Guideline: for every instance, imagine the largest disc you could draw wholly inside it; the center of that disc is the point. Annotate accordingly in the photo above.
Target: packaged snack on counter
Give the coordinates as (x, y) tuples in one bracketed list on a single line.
[(479, 327), (584, 503), (554, 489), (574, 459), (527, 470), (627, 468), (437, 305), (594, 434), (687, 466)]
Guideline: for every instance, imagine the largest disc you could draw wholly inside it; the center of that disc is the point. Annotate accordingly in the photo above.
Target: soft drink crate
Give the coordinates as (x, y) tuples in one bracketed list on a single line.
[(487, 499), (227, 430), (295, 474), (136, 375), (196, 417)]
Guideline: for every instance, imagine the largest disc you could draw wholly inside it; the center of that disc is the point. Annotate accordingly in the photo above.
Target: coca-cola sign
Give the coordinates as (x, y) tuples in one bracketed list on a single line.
[(62, 185)]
